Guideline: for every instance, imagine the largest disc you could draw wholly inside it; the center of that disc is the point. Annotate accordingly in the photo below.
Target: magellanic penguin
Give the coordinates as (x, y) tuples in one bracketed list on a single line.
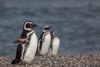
[(27, 45), (54, 46), (44, 41)]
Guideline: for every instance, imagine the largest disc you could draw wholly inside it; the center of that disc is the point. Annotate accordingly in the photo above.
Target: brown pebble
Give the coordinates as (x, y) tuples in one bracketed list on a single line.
[(57, 61)]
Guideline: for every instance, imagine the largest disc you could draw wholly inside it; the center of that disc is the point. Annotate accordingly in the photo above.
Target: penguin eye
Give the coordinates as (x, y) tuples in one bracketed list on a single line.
[(46, 28), (28, 25)]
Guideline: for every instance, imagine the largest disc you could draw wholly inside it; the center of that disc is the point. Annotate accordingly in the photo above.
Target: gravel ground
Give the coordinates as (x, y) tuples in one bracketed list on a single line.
[(57, 61)]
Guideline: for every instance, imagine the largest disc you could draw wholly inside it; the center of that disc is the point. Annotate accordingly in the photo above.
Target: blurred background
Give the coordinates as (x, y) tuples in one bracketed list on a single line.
[(76, 23)]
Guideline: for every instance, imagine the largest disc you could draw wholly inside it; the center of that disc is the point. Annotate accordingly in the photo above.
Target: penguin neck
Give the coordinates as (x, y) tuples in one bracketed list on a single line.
[(45, 31), (25, 32), (52, 36), (30, 33)]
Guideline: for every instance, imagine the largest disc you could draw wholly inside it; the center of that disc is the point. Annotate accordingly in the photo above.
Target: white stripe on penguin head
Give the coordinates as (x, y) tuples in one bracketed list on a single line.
[(25, 26)]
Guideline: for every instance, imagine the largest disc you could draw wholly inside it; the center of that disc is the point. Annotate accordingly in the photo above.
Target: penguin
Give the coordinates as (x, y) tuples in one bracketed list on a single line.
[(27, 45), (44, 41), (54, 46)]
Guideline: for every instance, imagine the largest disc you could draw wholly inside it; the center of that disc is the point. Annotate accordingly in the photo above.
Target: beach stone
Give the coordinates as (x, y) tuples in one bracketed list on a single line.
[(56, 61)]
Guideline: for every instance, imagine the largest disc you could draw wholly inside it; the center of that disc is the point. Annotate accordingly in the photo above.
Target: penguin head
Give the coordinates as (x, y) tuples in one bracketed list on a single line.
[(53, 33), (29, 25), (46, 28)]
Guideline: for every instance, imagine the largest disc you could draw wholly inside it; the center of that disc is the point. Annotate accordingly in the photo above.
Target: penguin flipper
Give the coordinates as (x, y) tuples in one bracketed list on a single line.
[(19, 41), (15, 61), (38, 47)]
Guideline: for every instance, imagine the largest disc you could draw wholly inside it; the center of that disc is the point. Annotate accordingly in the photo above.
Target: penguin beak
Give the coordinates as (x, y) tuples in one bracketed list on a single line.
[(50, 27), (35, 25)]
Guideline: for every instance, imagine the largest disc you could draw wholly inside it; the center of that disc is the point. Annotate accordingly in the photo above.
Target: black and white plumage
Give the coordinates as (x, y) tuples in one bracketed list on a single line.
[(54, 46), (27, 44), (44, 41)]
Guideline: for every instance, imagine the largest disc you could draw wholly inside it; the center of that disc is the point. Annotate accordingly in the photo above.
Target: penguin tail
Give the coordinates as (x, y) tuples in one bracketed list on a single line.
[(15, 61)]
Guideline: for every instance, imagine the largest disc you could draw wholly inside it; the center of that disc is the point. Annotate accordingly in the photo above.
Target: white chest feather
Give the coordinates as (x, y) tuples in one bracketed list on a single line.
[(55, 46), (45, 44), (31, 50)]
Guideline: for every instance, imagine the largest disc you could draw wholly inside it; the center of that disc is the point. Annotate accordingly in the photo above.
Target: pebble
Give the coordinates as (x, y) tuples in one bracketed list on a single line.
[(56, 61)]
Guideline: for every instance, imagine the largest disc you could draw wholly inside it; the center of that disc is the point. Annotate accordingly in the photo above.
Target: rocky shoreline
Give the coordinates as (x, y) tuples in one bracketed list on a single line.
[(57, 61)]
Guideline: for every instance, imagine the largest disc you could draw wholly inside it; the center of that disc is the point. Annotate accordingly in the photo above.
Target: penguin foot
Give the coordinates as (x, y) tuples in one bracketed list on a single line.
[(15, 61), (25, 63), (22, 63)]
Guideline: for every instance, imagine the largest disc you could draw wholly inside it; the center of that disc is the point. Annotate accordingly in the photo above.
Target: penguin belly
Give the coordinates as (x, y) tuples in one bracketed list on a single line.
[(31, 50), (45, 44), (55, 46)]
